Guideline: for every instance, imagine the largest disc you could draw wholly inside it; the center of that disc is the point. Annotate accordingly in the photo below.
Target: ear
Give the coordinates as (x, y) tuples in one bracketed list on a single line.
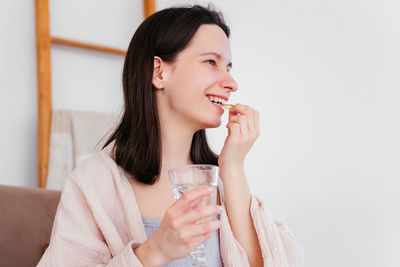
[(158, 75)]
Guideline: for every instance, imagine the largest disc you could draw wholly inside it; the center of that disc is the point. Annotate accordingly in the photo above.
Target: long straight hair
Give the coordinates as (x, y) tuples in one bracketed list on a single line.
[(137, 147)]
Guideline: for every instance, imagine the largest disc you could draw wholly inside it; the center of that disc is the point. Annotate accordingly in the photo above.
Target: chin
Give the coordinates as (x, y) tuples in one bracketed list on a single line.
[(210, 121), (214, 124)]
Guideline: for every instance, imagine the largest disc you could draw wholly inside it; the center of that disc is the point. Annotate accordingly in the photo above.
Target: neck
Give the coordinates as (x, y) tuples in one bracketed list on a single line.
[(175, 147), (175, 151), (176, 141)]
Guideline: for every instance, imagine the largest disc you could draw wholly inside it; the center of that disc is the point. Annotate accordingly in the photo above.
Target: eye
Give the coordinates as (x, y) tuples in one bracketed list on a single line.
[(211, 61)]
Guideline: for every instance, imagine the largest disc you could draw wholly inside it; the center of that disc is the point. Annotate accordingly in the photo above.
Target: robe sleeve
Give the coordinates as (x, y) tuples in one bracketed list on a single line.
[(76, 239), (278, 245), (279, 248)]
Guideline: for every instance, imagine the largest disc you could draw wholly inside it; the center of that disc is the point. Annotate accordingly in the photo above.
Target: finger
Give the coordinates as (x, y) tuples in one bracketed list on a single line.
[(195, 203), (234, 119), (195, 230), (199, 202), (197, 240), (257, 123), (233, 129), (183, 204), (241, 109), (246, 111), (243, 122), (207, 200), (233, 115), (201, 212), (250, 113), (251, 122)]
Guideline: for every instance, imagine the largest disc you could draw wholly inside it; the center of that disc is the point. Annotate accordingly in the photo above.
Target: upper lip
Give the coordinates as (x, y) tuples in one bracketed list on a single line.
[(220, 96)]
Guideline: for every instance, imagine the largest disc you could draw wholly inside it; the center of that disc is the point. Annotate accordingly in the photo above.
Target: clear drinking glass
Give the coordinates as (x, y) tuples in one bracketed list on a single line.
[(190, 177)]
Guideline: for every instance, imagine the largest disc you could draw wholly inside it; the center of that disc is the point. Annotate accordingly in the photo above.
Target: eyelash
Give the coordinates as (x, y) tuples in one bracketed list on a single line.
[(214, 63), (211, 60)]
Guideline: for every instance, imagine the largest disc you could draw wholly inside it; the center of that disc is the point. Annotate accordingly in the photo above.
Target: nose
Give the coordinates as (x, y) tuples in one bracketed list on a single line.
[(228, 82)]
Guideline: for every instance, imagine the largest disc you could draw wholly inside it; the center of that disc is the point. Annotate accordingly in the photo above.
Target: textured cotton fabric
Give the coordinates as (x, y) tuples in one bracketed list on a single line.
[(98, 223), (74, 136), (212, 257)]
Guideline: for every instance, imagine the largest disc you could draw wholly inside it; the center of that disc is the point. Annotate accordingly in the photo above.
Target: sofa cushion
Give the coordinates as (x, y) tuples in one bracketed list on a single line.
[(26, 220)]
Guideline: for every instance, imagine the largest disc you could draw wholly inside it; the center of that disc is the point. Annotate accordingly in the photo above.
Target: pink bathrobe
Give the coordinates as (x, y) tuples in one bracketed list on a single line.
[(98, 223)]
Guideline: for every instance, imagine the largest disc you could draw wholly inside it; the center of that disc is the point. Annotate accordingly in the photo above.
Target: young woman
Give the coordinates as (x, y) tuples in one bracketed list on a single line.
[(117, 208)]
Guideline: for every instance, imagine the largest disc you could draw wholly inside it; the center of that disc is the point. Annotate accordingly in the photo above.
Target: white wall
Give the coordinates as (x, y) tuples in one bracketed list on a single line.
[(18, 163), (322, 74)]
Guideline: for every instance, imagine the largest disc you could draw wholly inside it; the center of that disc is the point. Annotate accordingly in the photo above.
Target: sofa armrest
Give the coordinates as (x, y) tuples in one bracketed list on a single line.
[(26, 220)]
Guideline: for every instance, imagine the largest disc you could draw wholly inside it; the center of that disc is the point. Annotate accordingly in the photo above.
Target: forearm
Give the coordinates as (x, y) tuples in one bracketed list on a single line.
[(237, 203)]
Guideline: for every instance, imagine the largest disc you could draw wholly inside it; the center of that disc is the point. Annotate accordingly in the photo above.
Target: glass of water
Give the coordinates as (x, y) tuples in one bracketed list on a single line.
[(190, 177)]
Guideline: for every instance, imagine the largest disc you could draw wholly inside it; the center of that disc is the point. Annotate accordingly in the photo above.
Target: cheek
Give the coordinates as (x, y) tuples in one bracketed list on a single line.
[(205, 77), (202, 83), (193, 84), (187, 90)]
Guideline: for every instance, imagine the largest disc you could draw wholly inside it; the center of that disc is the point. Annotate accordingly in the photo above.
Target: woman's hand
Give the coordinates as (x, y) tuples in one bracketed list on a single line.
[(243, 130), (178, 234)]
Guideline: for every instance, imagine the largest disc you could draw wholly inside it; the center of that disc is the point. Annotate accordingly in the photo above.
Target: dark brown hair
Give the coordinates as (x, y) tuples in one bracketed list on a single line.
[(165, 34)]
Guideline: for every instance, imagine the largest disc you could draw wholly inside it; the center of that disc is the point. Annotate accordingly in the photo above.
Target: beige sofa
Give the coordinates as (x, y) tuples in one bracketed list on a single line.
[(26, 219)]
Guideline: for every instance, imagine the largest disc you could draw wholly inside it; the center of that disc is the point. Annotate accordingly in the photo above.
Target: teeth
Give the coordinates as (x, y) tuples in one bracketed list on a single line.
[(217, 100)]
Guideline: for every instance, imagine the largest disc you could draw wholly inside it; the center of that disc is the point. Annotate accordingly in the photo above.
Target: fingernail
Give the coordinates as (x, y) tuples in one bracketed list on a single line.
[(221, 208), (210, 189)]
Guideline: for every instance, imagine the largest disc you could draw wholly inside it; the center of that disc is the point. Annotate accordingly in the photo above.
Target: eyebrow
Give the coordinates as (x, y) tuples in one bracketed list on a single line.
[(217, 55)]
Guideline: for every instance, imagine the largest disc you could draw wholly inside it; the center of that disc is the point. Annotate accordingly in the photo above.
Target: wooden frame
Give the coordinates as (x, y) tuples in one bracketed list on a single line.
[(43, 46)]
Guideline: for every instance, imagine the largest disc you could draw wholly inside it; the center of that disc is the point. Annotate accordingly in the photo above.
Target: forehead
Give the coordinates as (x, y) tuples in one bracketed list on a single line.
[(209, 38)]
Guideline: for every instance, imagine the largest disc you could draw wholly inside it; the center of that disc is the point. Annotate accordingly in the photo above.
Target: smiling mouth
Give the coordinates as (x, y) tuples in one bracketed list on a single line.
[(217, 100)]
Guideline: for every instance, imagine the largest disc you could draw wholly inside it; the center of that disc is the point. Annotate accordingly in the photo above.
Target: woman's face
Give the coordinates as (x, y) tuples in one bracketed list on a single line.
[(200, 71)]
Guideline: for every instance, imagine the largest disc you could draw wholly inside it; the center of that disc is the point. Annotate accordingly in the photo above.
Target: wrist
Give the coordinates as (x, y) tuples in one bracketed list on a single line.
[(149, 255), (232, 173)]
